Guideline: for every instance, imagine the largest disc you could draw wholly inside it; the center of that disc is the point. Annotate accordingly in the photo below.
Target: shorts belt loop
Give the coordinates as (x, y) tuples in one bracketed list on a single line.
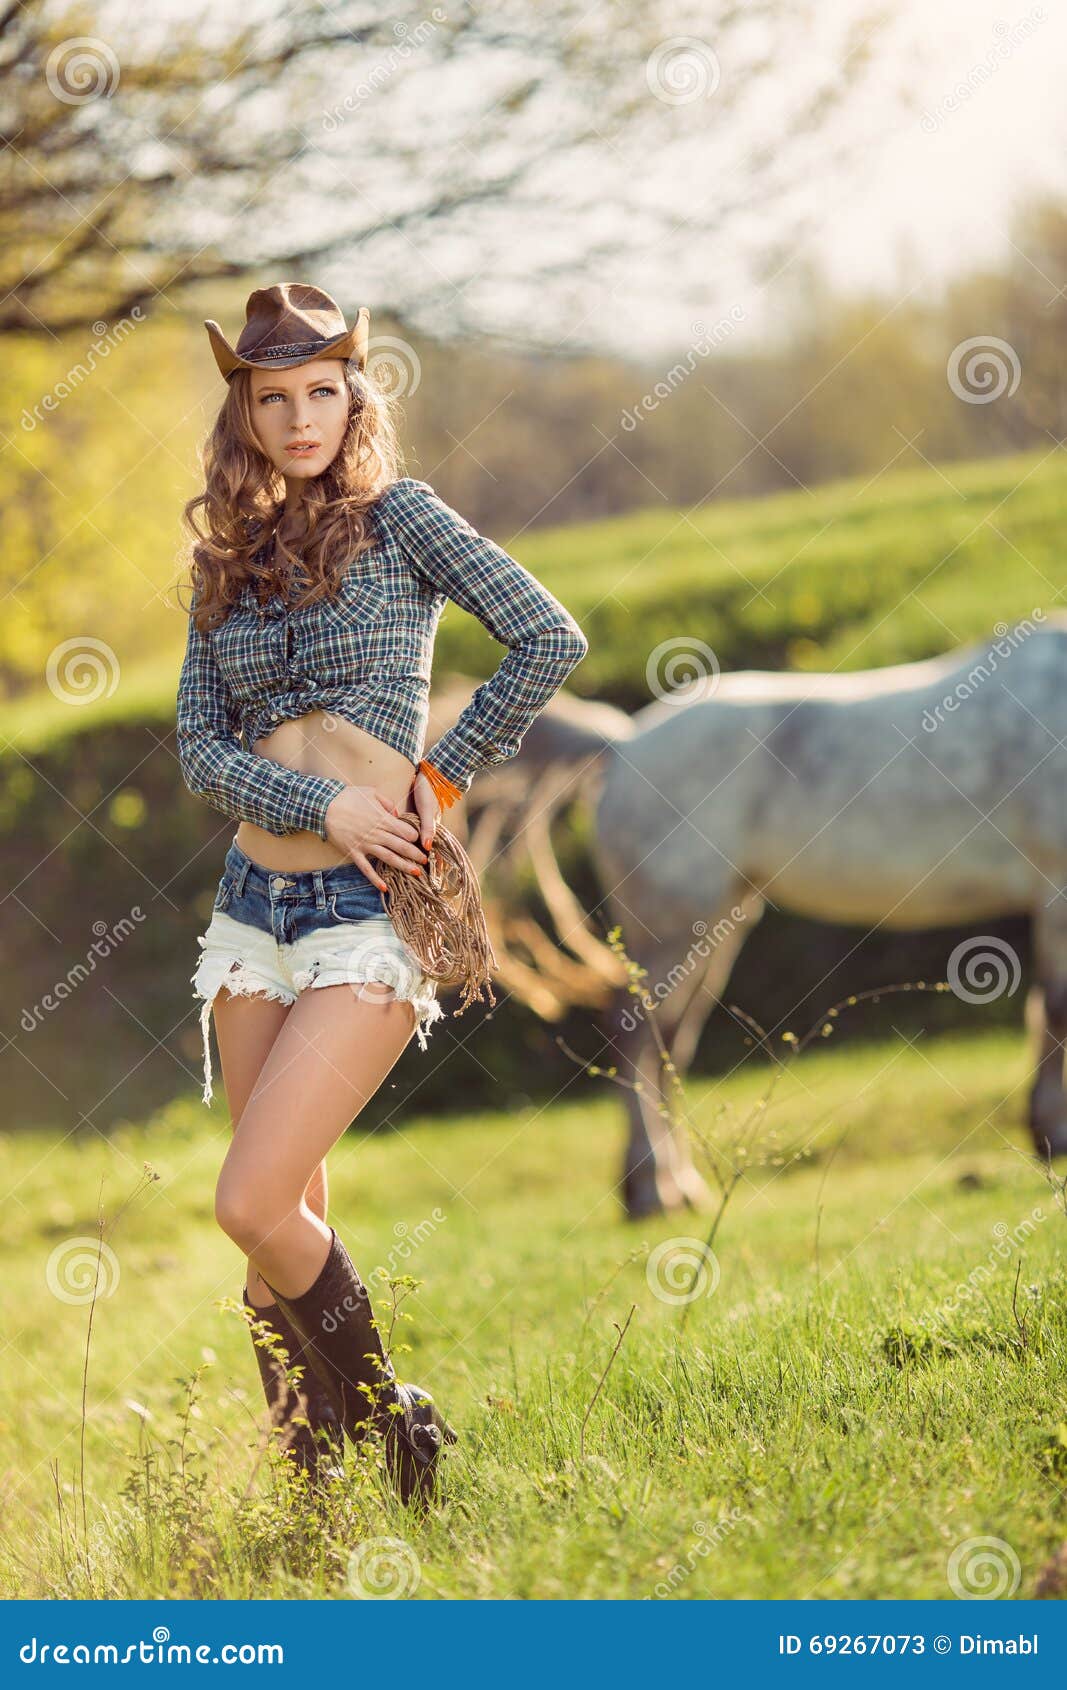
[(320, 890), (242, 876)]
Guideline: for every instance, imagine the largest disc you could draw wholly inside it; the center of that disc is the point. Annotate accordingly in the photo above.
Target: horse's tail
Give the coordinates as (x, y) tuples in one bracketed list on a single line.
[(561, 758)]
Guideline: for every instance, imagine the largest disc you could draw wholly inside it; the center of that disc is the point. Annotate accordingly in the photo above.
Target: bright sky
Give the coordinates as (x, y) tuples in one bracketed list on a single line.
[(959, 120), (938, 188), (936, 177)]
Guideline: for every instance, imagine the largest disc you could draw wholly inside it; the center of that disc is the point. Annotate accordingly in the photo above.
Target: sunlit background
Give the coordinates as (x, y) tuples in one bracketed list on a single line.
[(742, 326), (626, 266)]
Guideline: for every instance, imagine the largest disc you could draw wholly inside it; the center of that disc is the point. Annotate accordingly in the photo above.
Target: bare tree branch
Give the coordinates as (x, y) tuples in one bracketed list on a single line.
[(535, 143)]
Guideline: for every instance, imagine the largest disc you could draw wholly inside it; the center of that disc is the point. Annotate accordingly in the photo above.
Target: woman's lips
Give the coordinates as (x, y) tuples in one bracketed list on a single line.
[(302, 447)]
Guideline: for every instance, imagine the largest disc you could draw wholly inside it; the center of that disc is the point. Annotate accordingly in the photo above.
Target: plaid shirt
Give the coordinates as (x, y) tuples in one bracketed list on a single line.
[(366, 656)]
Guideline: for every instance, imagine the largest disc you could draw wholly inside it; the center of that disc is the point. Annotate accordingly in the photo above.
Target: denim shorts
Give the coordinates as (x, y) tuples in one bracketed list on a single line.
[(277, 933)]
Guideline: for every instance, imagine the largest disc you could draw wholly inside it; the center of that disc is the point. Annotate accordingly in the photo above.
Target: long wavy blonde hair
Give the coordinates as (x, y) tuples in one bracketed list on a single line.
[(244, 496)]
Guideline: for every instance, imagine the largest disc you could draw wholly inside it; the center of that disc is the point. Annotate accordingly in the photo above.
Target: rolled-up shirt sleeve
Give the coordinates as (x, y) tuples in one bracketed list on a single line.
[(215, 767), (545, 642)]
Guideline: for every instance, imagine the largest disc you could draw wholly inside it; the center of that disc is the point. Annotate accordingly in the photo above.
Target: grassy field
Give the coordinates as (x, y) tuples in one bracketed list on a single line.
[(876, 1379), (872, 1377)]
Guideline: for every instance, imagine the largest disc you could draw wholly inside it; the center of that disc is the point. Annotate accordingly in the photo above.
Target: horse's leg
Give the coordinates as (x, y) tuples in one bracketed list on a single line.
[(683, 983), (681, 1020), (725, 936), (648, 1181), (1047, 1010)]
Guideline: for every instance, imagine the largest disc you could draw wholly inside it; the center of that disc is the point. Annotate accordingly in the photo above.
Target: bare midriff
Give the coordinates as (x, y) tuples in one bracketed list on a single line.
[(322, 743)]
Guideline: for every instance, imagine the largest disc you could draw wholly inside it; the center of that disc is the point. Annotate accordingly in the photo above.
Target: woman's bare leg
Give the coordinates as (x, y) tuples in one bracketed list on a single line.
[(331, 1053), (246, 1028)]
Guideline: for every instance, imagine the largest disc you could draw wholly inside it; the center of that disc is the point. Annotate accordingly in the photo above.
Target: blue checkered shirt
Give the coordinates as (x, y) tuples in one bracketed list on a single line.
[(366, 656)]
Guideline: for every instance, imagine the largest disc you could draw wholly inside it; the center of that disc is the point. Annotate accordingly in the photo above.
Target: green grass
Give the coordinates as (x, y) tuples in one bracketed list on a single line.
[(813, 1430), (856, 574)]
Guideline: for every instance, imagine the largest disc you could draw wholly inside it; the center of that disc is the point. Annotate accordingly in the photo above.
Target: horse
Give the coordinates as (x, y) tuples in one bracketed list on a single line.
[(918, 795)]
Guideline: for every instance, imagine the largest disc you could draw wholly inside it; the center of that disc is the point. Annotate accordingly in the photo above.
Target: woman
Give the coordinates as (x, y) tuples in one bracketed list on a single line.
[(302, 709)]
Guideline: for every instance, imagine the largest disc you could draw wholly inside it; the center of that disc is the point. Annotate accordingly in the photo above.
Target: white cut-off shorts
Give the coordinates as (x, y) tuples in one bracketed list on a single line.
[(279, 933)]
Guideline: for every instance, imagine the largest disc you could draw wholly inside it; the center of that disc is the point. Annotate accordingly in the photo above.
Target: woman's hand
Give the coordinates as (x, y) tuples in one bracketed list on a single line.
[(428, 806), (362, 821)]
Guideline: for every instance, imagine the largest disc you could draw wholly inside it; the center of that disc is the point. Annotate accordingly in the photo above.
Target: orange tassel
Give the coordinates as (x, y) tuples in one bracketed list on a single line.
[(445, 791)]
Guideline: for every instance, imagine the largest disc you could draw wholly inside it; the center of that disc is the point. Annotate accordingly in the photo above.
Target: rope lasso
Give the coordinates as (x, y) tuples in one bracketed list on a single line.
[(439, 914)]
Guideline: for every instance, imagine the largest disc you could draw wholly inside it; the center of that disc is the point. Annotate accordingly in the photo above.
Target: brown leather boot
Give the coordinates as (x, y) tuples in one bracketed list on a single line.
[(333, 1318), (318, 1447)]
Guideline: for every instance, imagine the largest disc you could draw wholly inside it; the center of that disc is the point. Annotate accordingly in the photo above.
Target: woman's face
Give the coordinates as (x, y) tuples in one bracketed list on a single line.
[(300, 415)]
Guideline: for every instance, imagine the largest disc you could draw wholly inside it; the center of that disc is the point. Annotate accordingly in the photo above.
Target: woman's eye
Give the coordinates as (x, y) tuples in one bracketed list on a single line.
[(265, 398)]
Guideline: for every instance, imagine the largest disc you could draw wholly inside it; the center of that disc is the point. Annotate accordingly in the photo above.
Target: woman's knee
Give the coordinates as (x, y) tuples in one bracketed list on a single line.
[(246, 1215), (233, 1212), (315, 1196)]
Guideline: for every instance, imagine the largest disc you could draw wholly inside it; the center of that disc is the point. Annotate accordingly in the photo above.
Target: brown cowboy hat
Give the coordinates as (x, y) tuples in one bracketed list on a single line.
[(290, 323)]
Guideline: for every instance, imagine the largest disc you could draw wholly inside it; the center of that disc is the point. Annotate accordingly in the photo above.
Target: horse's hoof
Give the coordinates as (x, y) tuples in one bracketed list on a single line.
[(694, 1189), (1049, 1141), (641, 1199)]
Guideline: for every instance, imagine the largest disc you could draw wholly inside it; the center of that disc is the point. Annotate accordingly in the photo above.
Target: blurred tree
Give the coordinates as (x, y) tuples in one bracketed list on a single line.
[(1025, 306), (477, 161), (483, 164)]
